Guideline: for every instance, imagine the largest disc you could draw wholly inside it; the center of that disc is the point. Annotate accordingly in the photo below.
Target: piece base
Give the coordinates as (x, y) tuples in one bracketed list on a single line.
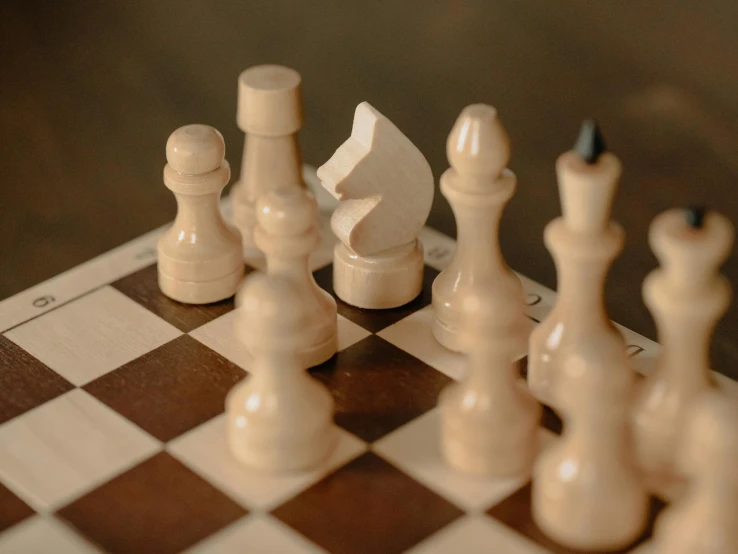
[(385, 280), (201, 292)]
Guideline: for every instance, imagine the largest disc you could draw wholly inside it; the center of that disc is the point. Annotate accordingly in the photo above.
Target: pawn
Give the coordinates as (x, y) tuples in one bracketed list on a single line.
[(490, 419), (587, 493), (478, 186), (686, 296), (279, 418), (199, 258), (704, 520), (287, 231), (270, 113)]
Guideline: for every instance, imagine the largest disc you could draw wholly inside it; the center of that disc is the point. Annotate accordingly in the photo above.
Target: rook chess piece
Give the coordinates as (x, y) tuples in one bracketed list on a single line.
[(477, 187), (270, 113), (584, 244), (279, 418), (287, 232), (587, 493), (703, 521), (385, 188), (490, 419), (686, 296), (199, 257)]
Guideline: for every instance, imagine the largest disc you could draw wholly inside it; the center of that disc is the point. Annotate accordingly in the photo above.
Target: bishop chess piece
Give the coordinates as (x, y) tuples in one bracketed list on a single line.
[(385, 189), (686, 296), (280, 419), (287, 232), (477, 187), (584, 244), (270, 113), (489, 419), (703, 521), (199, 257)]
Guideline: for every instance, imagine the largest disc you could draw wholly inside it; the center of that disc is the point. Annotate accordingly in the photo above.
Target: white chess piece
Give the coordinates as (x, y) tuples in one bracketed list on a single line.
[(587, 493), (477, 187), (704, 520), (280, 419), (270, 113), (287, 232), (490, 419), (385, 189), (199, 258), (686, 296), (584, 244)]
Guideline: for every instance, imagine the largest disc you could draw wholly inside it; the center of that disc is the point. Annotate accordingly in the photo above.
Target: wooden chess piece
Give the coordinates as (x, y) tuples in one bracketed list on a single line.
[(584, 244), (270, 113), (704, 520), (477, 187), (280, 419), (587, 493), (686, 296), (489, 419), (385, 189), (287, 231), (199, 257)]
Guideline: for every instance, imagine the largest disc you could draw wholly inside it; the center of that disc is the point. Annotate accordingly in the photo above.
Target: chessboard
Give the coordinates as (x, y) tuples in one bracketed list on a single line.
[(112, 431)]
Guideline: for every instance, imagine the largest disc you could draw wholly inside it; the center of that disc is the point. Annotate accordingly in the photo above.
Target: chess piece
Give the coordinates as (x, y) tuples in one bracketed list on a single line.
[(584, 244), (587, 493), (280, 419), (703, 521), (490, 419), (200, 257), (385, 189), (270, 113), (477, 186), (686, 297), (287, 232)]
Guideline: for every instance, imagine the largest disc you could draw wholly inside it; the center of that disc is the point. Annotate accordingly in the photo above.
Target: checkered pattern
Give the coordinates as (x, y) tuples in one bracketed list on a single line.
[(112, 436)]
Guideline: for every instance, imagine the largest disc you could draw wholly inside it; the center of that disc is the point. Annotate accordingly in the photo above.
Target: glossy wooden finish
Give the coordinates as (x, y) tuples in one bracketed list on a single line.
[(91, 93)]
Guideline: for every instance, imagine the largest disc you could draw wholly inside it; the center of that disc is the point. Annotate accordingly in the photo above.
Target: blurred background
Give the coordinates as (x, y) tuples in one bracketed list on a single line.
[(90, 92)]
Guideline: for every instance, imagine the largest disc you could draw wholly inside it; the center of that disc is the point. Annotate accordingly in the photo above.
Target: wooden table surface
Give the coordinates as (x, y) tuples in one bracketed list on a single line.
[(90, 93)]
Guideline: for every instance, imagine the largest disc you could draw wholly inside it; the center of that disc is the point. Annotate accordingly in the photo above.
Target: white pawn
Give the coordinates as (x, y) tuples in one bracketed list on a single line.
[(587, 493), (270, 113), (279, 418), (704, 521), (287, 232), (584, 244), (477, 186), (490, 419), (686, 296), (199, 258)]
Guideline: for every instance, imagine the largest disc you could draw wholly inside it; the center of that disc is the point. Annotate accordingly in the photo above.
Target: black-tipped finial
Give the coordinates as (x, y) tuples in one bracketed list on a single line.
[(695, 216), (590, 143)]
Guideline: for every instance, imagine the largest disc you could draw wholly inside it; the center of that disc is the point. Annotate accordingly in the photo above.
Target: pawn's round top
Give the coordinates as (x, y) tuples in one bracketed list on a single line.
[(269, 100), (195, 149), (478, 143), (269, 304), (287, 211)]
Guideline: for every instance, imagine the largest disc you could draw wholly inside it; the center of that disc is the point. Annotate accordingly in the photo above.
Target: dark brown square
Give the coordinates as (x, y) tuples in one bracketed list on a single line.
[(171, 389), (12, 509), (25, 382), (158, 506), (367, 506), (515, 512), (378, 387), (143, 287), (376, 320)]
